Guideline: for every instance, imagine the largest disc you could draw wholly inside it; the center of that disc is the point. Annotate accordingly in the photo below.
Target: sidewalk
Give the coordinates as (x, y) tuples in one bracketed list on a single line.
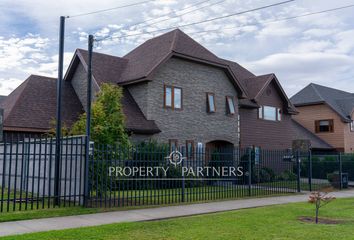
[(58, 223)]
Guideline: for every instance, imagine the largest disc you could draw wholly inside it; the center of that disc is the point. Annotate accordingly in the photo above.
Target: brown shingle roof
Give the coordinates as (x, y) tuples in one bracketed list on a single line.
[(107, 69), (256, 85), (135, 120), (33, 104), (142, 62)]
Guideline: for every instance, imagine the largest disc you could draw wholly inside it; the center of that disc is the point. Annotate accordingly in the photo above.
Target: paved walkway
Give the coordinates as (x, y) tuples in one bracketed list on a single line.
[(58, 223)]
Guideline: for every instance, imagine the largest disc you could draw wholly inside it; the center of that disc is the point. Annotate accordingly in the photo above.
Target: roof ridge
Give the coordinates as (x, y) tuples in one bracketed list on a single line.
[(20, 88), (331, 88), (318, 93), (258, 76), (95, 52), (173, 45)]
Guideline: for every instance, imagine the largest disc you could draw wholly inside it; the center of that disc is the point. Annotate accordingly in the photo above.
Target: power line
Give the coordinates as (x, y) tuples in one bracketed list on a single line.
[(110, 9), (240, 27), (276, 20), (182, 14), (195, 23), (168, 13)]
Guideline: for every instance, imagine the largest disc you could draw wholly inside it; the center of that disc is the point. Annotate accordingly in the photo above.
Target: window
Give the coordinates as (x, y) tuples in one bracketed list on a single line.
[(173, 144), (269, 113), (173, 97), (324, 126), (352, 126), (177, 98), (230, 105), (190, 148), (168, 96), (210, 102)]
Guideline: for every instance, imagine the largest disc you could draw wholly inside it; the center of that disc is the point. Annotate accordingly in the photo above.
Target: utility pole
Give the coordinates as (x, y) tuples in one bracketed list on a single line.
[(88, 116), (58, 114)]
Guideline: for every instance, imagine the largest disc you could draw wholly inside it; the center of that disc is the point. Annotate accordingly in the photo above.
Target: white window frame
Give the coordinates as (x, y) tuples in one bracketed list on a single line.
[(231, 109), (265, 117), (209, 109)]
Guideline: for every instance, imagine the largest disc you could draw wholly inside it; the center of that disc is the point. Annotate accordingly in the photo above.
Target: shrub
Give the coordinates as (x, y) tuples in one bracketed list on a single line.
[(265, 174), (287, 176)]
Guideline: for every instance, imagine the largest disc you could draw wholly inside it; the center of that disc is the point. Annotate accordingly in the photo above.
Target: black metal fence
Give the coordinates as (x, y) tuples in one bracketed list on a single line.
[(327, 171), (121, 177), (152, 174), (27, 173)]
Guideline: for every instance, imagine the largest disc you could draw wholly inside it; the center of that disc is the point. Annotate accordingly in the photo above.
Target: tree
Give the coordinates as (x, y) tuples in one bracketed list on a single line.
[(320, 200), (107, 122), (65, 131)]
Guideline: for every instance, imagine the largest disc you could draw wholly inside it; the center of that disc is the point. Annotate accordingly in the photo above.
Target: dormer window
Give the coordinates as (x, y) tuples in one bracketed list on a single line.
[(210, 102), (230, 105), (270, 113), (173, 97)]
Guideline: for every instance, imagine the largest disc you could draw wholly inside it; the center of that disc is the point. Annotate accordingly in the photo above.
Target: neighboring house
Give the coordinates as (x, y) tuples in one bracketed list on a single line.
[(31, 107), (328, 113), (175, 91)]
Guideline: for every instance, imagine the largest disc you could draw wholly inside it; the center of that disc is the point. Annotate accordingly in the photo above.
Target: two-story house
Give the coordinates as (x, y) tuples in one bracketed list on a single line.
[(175, 91), (328, 113)]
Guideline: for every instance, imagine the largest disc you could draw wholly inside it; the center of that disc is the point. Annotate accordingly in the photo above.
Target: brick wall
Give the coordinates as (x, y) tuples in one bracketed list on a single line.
[(193, 122)]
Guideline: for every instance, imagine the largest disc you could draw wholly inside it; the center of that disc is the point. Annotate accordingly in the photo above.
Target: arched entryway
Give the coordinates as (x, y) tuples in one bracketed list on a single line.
[(219, 150), (219, 145)]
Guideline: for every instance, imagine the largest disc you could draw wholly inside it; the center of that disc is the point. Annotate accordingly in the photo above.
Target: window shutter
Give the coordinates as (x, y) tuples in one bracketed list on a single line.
[(317, 126), (331, 127)]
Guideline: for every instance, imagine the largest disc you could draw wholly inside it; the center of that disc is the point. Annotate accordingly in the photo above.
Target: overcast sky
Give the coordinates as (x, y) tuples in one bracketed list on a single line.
[(318, 48)]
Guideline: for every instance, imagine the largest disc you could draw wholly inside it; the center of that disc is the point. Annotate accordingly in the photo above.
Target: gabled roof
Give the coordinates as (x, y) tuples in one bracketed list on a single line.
[(256, 86), (339, 101), (33, 105), (149, 55), (142, 62), (105, 68), (301, 133)]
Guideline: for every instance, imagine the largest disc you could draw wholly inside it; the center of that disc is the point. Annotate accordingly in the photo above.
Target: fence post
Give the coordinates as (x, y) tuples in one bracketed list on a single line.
[(298, 160), (249, 171), (86, 173), (183, 181), (310, 170), (340, 171)]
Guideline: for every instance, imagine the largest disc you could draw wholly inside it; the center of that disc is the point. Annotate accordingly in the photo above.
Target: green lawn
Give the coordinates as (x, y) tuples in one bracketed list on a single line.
[(274, 222), (304, 186), (174, 195)]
